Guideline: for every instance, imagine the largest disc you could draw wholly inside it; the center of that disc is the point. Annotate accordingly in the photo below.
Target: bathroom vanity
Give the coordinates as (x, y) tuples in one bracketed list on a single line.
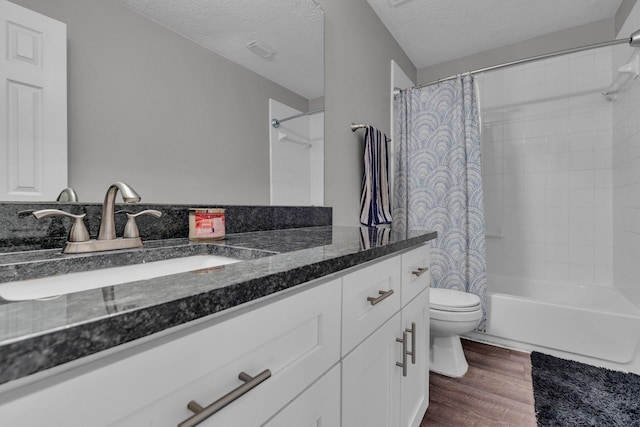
[(317, 324)]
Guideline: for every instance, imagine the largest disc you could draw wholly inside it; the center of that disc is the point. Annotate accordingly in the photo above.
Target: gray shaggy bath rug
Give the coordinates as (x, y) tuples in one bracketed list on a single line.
[(570, 393)]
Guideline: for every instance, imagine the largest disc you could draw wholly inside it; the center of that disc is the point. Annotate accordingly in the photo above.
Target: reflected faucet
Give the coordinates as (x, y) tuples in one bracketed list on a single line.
[(67, 195), (107, 222)]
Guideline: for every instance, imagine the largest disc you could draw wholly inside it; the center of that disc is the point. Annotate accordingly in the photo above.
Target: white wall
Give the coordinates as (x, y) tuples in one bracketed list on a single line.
[(358, 49), (626, 174), (546, 141), (595, 32)]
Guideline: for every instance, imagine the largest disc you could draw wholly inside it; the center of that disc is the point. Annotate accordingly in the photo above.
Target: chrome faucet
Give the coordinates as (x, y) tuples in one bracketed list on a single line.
[(107, 222), (79, 241)]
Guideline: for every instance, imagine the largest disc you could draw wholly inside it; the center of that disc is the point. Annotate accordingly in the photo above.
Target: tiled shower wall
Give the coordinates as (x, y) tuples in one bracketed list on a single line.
[(547, 169), (626, 173)]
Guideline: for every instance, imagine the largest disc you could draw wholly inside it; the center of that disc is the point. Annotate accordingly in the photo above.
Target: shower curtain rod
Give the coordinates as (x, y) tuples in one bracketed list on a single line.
[(276, 123), (633, 40)]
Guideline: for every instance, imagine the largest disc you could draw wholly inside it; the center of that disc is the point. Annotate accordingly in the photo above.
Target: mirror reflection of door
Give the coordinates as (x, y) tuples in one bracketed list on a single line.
[(33, 104)]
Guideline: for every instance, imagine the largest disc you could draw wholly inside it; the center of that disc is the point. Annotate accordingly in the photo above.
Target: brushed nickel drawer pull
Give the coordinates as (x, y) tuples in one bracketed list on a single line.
[(420, 271), (383, 295), (412, 353), (403, 365), (200, 414)]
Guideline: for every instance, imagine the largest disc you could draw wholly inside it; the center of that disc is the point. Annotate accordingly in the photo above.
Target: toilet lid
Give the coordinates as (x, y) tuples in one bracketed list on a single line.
[(452, 300)]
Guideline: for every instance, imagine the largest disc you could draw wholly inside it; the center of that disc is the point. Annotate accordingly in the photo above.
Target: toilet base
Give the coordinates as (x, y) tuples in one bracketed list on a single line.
[(447, 356)]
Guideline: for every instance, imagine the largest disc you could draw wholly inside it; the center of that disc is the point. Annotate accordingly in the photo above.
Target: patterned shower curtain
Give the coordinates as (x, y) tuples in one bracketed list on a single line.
[(438, 182)]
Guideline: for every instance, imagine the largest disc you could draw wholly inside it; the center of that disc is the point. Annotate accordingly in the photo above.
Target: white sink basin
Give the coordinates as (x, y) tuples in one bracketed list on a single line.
[(50, 287)]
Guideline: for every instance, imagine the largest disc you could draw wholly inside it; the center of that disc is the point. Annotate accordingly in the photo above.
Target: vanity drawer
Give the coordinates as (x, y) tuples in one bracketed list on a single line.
[(415, 272), (370, 297), (296, 338)]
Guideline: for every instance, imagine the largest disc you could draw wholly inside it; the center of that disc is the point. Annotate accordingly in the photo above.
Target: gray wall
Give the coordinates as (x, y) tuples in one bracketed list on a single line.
[(582, 35), (623, 12), (358, 54), (149, 107)]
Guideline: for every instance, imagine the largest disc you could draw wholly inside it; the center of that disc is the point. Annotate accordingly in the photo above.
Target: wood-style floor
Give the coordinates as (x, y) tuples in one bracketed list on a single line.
[(495, 391)]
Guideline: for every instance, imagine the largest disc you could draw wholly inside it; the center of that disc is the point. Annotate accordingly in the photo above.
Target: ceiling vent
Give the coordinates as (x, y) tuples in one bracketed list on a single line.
[(261, 49)]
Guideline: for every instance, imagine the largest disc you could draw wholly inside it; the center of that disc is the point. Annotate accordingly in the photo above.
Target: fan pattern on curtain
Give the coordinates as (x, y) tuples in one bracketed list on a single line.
[(438, 184)]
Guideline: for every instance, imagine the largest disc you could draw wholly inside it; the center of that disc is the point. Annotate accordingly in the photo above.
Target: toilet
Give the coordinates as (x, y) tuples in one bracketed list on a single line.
[(453, 313)]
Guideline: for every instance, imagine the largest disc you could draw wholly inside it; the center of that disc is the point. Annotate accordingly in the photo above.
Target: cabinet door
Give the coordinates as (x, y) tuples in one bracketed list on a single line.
[(317, 406), (415, 386), (371, 379), (360, 315), (296, 338)]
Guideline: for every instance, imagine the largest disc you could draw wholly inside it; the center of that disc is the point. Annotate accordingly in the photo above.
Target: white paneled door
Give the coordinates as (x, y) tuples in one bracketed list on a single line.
[(33, 104)]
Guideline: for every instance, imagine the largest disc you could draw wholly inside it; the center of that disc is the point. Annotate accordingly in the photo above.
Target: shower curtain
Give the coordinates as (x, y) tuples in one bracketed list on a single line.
[(438, 184)]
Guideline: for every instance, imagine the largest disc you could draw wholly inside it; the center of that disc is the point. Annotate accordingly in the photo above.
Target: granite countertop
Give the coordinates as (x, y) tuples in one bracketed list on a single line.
[(39, 334)]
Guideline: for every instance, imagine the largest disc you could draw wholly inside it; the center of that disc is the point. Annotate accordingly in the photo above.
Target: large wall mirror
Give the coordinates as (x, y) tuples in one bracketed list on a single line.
[(177, 98)]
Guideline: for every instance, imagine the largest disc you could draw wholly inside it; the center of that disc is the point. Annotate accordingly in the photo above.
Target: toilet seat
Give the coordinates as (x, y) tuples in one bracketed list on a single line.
[(454, 306), (456, 316)]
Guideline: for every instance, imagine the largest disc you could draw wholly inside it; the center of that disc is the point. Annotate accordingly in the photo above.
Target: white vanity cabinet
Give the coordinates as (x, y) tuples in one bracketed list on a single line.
[(297, 338), (329, 354), (385, 378)]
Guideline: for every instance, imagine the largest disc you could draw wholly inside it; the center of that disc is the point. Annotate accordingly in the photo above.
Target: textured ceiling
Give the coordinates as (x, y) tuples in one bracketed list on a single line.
[(436, 31), (294, 28)]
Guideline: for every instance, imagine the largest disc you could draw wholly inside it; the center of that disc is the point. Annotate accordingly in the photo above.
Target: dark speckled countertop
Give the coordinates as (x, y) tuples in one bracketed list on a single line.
[(39, 334)]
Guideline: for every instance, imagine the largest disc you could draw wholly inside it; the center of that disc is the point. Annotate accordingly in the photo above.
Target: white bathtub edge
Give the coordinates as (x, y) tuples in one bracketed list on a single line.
[(481, 337)]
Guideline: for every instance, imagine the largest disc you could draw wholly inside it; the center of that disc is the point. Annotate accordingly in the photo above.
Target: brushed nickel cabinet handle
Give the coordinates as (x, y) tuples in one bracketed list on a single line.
[(383, 295), (412, 353), (200, 414), (403, 365), (420, 271)]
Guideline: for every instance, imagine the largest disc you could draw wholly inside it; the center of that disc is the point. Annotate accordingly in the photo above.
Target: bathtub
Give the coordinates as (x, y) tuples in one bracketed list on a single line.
[(588, 322)]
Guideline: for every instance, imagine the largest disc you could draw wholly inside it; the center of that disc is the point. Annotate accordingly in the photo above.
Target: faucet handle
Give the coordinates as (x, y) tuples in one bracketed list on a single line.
[(131, 228), (78, 231)]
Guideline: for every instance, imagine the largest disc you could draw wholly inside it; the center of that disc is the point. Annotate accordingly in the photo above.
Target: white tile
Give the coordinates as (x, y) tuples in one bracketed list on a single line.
[(556, 216), (582, 141), (556, 253), (558, 162), (581, 198), (581, 273), (581, 255), (581, 179), (581, 160), (581, 217), (603, 178), (603, 256), (556, 235), (556, 272), (602, 159), (581, 236)]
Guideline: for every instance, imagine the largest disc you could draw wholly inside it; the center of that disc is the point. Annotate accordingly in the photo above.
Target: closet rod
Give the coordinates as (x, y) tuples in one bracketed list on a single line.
[(633, 40), (355, 127), (276, 122)]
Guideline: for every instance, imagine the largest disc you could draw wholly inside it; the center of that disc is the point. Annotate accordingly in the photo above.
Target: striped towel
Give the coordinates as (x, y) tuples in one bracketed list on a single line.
[(375, 205)]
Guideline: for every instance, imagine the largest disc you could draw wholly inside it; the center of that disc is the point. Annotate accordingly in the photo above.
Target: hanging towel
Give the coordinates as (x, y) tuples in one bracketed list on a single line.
[(375, 205)]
